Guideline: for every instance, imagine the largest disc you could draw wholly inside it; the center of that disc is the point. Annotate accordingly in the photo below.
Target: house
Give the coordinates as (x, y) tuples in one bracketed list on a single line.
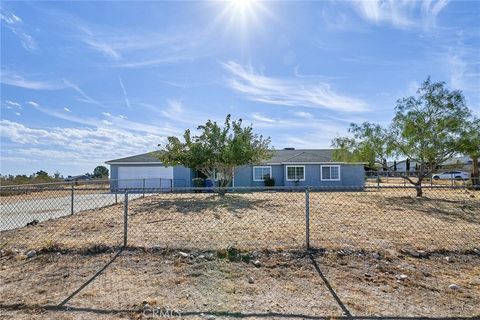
[(288, 167)]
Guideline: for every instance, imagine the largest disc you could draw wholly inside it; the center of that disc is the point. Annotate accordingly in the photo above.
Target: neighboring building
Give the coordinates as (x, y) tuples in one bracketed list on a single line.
[(455, 163), (82, 177), (289, 167)]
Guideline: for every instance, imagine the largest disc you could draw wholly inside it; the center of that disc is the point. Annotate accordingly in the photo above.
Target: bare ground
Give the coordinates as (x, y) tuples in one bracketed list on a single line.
[(349, 228)]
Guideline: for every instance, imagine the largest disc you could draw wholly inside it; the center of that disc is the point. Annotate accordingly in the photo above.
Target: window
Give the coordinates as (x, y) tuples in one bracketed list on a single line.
[(330, 173), (259, 173), (295, 173)]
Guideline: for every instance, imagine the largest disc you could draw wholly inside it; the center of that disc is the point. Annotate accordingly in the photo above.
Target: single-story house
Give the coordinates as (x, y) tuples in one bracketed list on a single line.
[(289, 167)]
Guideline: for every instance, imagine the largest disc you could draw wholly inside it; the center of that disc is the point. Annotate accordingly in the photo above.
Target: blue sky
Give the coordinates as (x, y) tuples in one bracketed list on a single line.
[(85, 82)]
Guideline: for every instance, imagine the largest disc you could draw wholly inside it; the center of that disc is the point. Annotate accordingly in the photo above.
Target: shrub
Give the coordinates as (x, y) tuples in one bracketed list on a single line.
[(198, 182), (269, 181)]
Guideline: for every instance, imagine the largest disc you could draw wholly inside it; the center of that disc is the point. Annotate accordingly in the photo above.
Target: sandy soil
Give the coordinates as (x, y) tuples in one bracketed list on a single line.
[(286, 283)]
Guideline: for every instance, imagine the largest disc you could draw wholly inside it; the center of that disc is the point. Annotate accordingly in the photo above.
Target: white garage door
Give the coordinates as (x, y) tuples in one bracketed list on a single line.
[(152, 176)]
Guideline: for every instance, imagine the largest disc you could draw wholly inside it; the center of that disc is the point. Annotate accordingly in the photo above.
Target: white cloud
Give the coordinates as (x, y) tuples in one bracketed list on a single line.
[(401, 14), (289, 92), (260, 117), (103, 48), (33, 103), (303, 114), (14, 79), (127, 101), (13, 103), (122, 116), (86, 98), (18, 113), (108, 123), (67, 109), (75, 145), (107, 114), (18, 28)]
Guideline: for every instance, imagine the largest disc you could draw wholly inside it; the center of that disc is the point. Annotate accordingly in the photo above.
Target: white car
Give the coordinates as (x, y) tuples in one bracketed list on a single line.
[(449, 175)]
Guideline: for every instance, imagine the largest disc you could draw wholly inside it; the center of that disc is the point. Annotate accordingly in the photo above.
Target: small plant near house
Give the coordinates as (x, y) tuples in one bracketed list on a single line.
[(198, 183), (269, 181)]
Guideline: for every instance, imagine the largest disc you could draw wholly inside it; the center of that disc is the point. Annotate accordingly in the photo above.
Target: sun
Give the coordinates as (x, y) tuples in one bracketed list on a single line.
[(241, 16)]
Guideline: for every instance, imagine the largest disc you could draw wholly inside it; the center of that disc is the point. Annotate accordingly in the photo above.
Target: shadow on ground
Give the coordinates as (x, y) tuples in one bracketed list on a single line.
[(235, 204)]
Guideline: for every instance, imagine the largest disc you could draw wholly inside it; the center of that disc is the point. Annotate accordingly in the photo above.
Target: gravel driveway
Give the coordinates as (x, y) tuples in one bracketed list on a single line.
[(19, 213)]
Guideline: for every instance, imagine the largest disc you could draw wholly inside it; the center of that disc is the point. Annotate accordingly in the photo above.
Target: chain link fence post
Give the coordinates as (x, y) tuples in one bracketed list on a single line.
[(125, 219), (307, 218), (71, 199), (143, 188)]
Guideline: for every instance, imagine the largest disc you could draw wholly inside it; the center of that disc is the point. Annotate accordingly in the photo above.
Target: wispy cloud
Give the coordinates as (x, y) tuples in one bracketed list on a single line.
[(117, 121), (86, 97), (127, 101), (136, 49), (67, 109), (16, 25), (12, 105), (260, 117), (103, 48), (401, 14), (14, 79), (289, 92)]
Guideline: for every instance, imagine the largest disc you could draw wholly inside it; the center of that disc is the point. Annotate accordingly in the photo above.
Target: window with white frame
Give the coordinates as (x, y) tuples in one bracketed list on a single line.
[(295, 173), (260, 172), (330, 173)]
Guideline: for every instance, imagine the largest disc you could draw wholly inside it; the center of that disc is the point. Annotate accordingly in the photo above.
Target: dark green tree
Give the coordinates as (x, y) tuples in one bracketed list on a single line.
[(100, 172)]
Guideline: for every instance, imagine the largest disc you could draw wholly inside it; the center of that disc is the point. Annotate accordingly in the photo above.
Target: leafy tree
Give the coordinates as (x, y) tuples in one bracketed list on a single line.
[(470, 145), (216, 150), (41, 174), (370, 143), (427, 127), (100, 172)]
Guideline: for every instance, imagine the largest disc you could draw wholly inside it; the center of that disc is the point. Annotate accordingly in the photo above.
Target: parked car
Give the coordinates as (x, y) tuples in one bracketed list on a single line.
[(449, 175)]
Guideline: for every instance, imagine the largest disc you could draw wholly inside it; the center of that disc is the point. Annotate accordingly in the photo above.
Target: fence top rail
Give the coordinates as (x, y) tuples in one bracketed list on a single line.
[(43, 187), (83, 182)]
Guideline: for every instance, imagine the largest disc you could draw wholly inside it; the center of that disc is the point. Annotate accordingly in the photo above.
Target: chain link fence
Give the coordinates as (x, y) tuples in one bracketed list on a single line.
[(93, 245)]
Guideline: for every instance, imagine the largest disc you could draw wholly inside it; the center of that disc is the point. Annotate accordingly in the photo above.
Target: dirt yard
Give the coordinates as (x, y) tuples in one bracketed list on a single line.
[(383, 252)]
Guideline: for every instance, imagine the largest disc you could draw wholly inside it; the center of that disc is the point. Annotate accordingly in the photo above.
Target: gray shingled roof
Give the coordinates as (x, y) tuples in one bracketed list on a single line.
[(301, 156), (279, 156), (149, 157)]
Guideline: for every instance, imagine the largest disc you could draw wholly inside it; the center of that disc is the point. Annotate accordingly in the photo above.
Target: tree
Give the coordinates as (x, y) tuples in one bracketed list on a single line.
[(427, 127), (470, 145), (41, 174), (100, 172), (370, 143), (216, 150)]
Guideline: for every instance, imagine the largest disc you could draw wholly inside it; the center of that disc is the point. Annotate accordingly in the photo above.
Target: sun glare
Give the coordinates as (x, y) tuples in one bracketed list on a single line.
[(242, 15)]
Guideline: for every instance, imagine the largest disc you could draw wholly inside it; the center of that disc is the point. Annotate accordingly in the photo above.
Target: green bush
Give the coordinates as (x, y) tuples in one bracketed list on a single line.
[(269, 181), (198, 182)]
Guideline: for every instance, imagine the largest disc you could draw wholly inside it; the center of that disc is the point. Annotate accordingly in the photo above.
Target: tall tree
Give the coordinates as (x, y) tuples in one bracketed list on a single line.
[(100, 172), (371, 143), (427, 127), (470, 146), (217, 150)]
